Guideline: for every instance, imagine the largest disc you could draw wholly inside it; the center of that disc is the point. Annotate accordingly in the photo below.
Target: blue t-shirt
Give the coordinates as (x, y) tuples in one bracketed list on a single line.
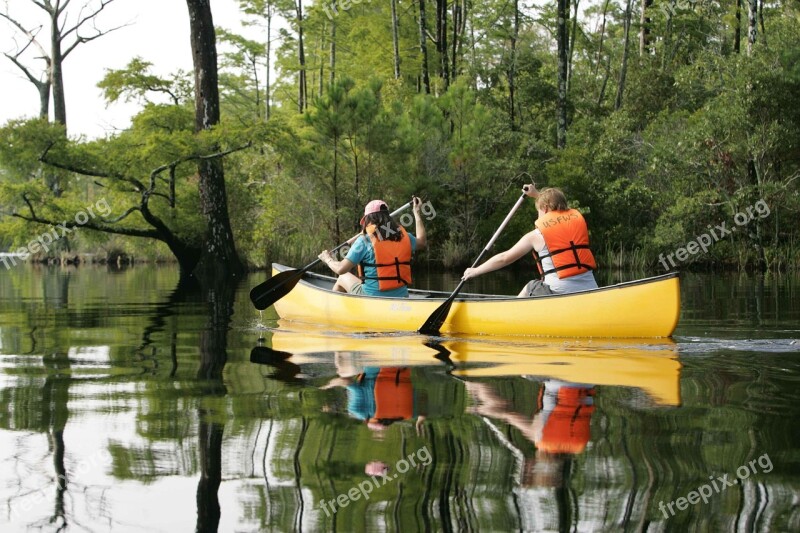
[(363, 252)]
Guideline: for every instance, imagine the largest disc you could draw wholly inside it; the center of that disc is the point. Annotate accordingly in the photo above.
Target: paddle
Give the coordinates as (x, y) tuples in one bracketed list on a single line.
[(437, 318), (279, 285)]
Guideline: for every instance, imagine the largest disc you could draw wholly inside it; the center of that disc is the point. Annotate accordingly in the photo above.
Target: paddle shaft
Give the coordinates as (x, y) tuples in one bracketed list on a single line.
[(493, 239), (437, 318)]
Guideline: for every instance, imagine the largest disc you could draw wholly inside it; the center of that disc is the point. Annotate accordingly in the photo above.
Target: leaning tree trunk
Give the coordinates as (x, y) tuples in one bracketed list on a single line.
[(219, 259), (561, 105)]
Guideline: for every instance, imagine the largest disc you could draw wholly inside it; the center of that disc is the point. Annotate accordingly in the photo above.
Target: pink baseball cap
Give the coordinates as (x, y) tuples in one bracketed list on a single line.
[(373, 207)]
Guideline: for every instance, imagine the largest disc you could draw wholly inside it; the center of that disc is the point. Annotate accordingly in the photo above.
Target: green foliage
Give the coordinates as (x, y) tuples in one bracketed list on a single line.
[(702, 133)]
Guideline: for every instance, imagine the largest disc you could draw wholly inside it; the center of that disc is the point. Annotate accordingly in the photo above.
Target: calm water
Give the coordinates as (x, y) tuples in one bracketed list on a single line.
[(130, 404)]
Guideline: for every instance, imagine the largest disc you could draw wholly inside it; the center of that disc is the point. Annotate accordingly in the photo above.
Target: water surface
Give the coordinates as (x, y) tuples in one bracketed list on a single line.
[(129, 403)]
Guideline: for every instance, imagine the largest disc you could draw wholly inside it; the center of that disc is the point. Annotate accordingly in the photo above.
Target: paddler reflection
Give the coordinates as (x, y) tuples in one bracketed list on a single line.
[(559, 429), (380, 396)]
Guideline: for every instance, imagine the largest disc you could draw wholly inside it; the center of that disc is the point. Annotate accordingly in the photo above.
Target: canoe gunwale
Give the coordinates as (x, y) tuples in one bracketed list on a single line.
[(429, 296)]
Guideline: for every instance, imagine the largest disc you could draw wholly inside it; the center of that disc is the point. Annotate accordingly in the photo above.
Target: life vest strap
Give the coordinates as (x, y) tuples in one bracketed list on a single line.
[(571, 248), (396, 264)]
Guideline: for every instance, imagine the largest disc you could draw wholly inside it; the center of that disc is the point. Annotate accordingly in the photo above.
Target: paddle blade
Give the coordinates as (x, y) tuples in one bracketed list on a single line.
[(275, 288), (437, 318)]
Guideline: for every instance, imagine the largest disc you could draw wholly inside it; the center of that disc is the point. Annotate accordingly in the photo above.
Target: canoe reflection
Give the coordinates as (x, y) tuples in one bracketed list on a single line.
[(650, 367)]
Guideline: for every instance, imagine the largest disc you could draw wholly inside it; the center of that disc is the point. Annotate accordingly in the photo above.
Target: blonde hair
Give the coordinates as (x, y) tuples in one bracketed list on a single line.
[(552, 198)]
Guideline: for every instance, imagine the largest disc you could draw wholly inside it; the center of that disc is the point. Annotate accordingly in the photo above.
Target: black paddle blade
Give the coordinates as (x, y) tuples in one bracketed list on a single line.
[(437, 318), (286, 370), (275, 288)]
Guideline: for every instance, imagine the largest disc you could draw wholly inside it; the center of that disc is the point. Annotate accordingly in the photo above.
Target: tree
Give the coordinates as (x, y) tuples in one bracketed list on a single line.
[(247, 57), (219, 259), (266, 11), (752, 25), (395, 41), (644, 30), (562, 45), (65, 36), (302, 98), (623, 71), (423, 48)]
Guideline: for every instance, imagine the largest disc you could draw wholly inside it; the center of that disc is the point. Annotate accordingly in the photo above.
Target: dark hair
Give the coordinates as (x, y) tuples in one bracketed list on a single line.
[(387, 228)]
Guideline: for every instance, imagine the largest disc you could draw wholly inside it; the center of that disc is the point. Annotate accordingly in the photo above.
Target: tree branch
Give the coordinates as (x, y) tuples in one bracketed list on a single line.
[(138, 185), (129, 232)]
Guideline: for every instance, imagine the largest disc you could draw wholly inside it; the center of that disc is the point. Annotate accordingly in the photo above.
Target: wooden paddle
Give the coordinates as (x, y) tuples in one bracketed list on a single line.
[(437, 318), (279, 285)]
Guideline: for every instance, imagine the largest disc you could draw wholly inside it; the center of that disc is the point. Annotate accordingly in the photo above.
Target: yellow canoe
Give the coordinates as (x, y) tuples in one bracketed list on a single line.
[(652, 367), (644, 308)]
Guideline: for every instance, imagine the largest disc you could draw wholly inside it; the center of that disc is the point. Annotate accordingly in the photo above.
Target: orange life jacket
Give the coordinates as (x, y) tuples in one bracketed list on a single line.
[(567, 427), (394, 394), (567, 239), (392, 259)]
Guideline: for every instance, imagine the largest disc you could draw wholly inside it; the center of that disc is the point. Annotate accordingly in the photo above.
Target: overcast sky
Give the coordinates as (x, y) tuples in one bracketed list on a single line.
[(158, 32)]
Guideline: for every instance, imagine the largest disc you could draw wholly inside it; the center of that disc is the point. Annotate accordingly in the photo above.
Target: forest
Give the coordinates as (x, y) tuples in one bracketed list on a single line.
[(660, 120)]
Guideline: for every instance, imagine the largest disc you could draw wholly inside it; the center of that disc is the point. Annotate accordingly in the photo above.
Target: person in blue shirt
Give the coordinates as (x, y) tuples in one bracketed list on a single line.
[(382, 254)]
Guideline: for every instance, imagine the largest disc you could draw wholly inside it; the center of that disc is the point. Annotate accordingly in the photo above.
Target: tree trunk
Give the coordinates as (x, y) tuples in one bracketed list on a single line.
[(602, 36), (268, 89), (752, 27), (423, 47), (337, 228), (761, 21), (644, 31), (44, 99), (219, 259), (302, 97), (737, 32), (441, 42), (624, 69), (602, 95), (395, 40), (512, 69), (561, 105), (56, 72), (333, 53), (458, 35), (574, 33)]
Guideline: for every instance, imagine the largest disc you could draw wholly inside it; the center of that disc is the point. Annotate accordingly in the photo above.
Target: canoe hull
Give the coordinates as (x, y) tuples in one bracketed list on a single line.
[(642, 309)]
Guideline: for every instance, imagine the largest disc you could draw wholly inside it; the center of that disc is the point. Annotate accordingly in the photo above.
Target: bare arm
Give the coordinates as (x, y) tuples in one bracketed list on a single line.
[(419, 226), (503, 259), (338, 267)]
